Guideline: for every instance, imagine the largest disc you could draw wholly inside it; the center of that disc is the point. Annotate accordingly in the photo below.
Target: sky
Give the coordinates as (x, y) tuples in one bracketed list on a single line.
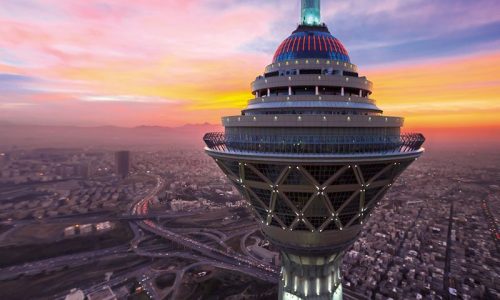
[(169, 63)]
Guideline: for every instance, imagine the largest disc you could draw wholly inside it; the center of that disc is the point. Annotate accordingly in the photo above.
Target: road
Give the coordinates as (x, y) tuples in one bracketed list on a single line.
[(212, 256), (244, 248), (115, 280), (490, 218), (97, 218), (142, 226), (142, 207), (447, 282), (258, 270), (60, 262)]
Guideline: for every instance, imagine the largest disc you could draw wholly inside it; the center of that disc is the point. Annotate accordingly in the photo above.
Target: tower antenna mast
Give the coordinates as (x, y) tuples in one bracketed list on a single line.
[(311, 12)]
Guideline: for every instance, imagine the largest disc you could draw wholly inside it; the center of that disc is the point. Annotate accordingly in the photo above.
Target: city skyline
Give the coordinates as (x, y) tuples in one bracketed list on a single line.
[(92, 63)]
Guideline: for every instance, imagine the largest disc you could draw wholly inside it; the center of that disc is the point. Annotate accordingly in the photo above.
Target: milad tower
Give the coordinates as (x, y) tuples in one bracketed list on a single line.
[(313, 155)]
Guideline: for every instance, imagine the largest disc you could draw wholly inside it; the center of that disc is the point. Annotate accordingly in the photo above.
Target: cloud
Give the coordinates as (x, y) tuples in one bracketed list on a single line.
[(399, 30), (11, 84), (10, 78), (127, 98), (121, 58)]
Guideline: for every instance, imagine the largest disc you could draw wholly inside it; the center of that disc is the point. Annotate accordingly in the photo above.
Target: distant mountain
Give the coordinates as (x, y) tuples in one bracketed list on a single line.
[(104, 136), (190, 136)]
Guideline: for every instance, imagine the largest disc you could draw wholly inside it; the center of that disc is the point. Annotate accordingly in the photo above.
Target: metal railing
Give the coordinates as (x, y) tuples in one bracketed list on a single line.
[(344, 144), (323, 97)]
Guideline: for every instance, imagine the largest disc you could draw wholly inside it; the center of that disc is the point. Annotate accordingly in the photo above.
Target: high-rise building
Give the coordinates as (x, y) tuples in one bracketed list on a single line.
[(122, 163), (3, 159), (312, 154)]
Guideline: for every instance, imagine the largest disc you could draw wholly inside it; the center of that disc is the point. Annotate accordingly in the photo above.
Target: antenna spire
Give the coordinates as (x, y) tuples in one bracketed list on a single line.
[(311, 13)]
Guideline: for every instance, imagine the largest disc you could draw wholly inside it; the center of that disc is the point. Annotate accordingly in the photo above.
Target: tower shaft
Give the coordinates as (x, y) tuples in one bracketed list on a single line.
[(310, 277)]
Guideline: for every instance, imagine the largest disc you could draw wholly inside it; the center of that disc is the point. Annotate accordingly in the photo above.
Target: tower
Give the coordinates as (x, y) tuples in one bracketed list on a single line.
[(122, 163), (312, 154)]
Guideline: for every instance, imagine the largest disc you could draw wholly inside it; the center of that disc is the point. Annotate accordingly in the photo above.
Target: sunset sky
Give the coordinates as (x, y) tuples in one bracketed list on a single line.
[(168, 63)]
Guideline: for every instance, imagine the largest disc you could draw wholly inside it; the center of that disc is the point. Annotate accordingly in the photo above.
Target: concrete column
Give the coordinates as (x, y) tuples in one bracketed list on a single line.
[(310, 279), (342, 91), (289, 91), (257, 94), (268, 92), (317, 90), (361, 93)]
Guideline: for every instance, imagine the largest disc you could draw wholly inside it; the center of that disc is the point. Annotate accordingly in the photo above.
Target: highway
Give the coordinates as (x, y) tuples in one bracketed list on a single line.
[(227, 259), (60, 262), (140, 221), (243, 245), (97, 218), (142, 207), (215, 238), (258, 270), (116, 279)]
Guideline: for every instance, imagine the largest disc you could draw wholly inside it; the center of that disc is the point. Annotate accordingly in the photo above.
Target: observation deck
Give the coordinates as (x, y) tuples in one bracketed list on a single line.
[(340, 146)]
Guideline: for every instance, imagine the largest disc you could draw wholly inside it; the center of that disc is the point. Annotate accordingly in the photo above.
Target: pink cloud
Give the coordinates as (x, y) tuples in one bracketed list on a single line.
[(191, 53)]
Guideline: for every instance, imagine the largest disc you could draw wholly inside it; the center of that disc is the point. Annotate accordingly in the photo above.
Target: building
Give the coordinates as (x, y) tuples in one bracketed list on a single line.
[(69, 231), (182, 205), (122, 163), (3, 159), (104, 226), (313, 155), (104, 294), (75, 294), (83, 170), (86, 229), (264, 254)]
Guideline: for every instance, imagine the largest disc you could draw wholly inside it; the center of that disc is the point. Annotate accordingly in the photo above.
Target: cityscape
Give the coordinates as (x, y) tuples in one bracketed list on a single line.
[(439, 233), (227, 150)]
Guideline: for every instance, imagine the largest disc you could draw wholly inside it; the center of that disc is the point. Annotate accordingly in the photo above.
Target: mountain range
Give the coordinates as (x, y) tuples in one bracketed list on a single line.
[(104, 136)]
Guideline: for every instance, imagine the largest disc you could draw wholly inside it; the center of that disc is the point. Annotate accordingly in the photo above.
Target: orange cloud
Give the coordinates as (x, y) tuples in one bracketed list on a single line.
[(195, 61), (453, 92)]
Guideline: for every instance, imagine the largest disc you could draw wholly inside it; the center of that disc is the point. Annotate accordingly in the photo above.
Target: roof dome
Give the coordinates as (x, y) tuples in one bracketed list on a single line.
[(314, 42)]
